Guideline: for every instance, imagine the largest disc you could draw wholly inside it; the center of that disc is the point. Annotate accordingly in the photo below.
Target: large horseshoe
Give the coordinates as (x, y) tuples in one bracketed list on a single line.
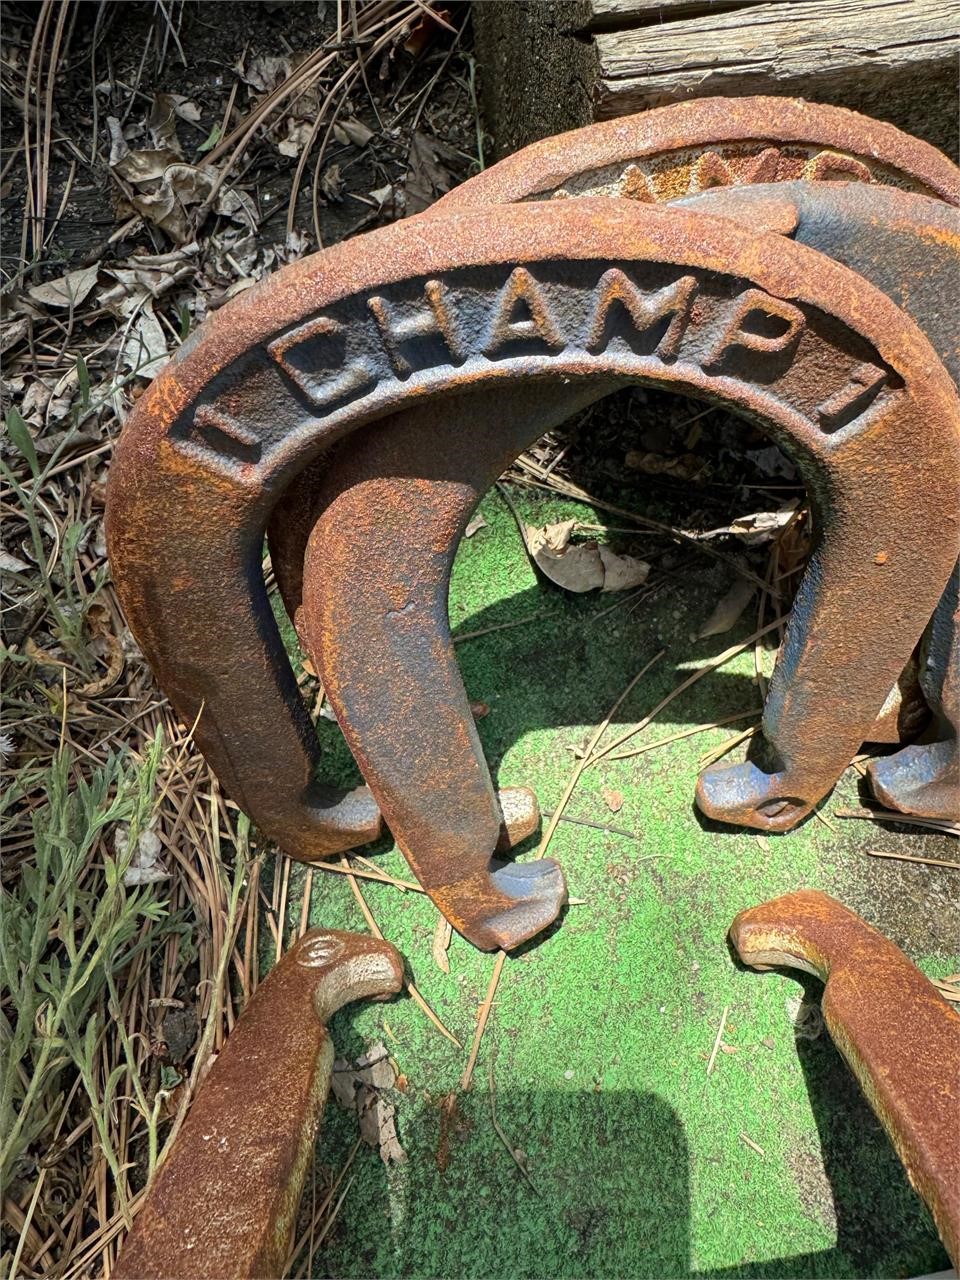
[(712, 146), (900, 1038), (395, 501), (910, 248), (254, 728), (364, 329)]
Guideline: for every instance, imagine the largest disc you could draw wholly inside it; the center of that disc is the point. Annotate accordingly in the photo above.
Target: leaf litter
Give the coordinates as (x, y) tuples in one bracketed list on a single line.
[(361, 1086)]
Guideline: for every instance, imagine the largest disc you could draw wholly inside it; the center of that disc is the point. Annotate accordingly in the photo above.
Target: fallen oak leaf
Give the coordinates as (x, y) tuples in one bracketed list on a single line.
[(332, 184), (375, 1067), (584, 566), (66, 291)]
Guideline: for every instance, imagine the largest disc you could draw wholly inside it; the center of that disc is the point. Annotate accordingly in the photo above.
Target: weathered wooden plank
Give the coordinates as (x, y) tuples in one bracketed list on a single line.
[(550, 65), (775, 43), (896, 59), (609, 15)]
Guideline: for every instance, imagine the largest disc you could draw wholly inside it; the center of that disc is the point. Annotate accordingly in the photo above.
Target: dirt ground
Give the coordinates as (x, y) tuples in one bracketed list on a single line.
[(592, 1140)]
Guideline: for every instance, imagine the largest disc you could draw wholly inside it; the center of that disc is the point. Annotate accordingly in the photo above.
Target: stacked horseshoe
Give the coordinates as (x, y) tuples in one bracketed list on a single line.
[(793, 262)]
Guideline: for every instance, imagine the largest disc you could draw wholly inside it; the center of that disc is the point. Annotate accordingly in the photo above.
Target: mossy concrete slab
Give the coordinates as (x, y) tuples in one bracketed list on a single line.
[(640, 1164)]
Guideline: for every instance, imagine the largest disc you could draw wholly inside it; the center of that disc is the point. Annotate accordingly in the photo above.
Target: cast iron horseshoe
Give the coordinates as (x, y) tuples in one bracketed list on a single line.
[(910, 248), (834, 369), (224, 1203), (714, 145), (261, 742), (838, 374), (900, 1038)]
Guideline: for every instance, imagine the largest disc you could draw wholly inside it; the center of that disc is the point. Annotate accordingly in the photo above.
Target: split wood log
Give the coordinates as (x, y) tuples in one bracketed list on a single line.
[(551, 65)]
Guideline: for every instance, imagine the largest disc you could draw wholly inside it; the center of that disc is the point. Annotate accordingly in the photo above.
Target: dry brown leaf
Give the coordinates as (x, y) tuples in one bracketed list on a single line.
[(265, 71), (612, 799), (427, 178), (441, 944), (358, 1087), (12, 332), (759, 527), (425, 29), (685, 466), (584, 566), (620, 573), (109, 649), (331, 183), (353, 132), (728, 608), (475, 525), (66, 291), (145, 346), (378, 1128)]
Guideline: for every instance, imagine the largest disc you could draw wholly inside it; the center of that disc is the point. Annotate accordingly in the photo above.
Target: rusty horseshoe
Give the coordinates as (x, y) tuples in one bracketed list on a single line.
[(679, 150), (910, 248), (675, 150), (224, 1203), (899, 1037), (710, 148), (565, 301)]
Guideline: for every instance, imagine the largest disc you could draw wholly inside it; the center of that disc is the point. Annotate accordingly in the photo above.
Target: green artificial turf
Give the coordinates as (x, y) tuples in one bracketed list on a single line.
[(640, 1163)]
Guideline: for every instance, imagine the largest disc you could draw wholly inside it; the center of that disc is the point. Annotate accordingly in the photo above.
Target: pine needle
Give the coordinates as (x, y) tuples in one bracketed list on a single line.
[(700, 672), (716, 1043), (587, 758), (374, 928), (467, 1078)]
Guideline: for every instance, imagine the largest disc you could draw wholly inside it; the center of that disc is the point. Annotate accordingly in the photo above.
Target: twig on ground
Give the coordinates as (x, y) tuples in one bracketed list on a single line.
[(374, 928), (719, 752), (716, 1043), (596, 826), (712, 665), (467, 1077), (317, 1217), (382, 877), (682, 733), (499, 1131), (913, 857), (501, 626), (943, 825), (752, 1145)]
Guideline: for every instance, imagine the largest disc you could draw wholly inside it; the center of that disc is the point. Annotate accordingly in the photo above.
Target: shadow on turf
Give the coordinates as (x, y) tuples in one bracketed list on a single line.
[(610, 1195), (626, 1153), (566, 668), (882, 1226)]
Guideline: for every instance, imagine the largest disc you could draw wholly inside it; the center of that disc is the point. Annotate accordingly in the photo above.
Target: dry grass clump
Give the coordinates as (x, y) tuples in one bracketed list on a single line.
[(131, 902)]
